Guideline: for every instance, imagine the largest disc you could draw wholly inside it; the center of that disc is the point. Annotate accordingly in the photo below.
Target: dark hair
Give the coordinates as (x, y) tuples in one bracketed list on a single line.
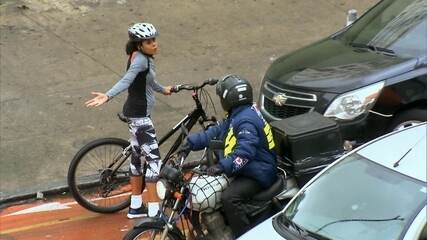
[(132, 46)]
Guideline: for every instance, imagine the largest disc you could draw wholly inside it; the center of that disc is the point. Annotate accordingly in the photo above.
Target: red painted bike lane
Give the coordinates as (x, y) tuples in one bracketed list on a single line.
[(61, 218)]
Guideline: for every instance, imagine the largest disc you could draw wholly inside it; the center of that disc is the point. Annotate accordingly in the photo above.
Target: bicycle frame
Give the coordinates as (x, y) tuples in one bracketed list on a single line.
[(198, 114)]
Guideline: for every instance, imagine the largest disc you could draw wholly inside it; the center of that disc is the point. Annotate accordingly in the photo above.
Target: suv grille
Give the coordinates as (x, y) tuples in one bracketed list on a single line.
[(283, 111)]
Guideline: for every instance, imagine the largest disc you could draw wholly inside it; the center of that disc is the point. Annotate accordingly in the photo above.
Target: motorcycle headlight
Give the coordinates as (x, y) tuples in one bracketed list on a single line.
[(350, 105), (161, 189)]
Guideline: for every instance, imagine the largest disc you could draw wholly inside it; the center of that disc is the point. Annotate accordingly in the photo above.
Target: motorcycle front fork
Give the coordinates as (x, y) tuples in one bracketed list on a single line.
[(169, 225)]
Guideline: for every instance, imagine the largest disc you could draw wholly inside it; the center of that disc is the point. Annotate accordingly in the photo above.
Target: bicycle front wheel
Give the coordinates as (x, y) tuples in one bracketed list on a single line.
[(98, 176)]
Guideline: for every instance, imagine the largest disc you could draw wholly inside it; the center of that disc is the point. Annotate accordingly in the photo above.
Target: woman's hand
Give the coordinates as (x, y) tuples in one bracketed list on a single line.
[(168, 90), (100, 99)]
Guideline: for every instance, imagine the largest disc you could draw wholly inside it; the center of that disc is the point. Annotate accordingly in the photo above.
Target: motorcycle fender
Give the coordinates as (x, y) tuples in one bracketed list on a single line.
[(152, 220)]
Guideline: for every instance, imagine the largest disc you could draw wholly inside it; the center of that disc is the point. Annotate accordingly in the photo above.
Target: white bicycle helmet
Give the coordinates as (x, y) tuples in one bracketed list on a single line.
[(142, 31)]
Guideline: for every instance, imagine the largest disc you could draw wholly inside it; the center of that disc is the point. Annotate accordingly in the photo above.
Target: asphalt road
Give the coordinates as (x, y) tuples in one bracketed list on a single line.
[(53, 53)]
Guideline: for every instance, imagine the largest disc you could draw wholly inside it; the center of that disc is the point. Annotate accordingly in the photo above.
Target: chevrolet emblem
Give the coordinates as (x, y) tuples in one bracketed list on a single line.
[(280, 99)]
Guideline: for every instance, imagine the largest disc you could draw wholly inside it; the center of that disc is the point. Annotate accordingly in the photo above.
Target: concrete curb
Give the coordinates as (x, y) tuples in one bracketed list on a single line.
[(42, 194)]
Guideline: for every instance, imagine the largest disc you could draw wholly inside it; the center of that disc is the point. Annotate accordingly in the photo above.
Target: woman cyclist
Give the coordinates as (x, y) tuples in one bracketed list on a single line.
[(140, 81)]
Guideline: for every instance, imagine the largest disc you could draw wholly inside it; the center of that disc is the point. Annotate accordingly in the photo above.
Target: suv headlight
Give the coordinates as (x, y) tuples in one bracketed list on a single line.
[(350, 105)]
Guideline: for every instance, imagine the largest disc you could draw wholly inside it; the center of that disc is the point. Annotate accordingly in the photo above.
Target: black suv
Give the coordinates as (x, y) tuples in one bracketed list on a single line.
[(371, 77)]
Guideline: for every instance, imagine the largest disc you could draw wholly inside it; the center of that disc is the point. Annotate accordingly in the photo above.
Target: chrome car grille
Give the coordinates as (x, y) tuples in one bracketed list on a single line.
[(283, 111), (297, 102)]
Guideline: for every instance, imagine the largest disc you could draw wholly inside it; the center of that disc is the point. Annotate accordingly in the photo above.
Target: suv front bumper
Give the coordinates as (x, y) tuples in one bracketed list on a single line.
[(361, 129)]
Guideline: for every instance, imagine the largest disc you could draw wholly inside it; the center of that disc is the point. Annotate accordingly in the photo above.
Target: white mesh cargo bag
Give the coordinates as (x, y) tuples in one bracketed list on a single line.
[(206, 192)]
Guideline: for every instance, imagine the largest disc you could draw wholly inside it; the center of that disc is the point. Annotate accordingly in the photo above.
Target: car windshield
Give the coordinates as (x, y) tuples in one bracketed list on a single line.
[(398, 27), (355, 198)]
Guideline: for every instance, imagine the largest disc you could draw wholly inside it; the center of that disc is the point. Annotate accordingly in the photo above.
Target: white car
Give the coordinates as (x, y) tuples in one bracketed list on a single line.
[(376, 192)]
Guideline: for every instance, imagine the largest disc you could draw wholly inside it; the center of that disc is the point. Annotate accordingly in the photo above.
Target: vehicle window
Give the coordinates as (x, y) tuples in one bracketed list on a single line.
[(356, 198), (400, 26)]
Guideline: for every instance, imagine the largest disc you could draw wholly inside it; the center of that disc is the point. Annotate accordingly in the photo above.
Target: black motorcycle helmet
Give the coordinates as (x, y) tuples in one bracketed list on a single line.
[(234, 91)]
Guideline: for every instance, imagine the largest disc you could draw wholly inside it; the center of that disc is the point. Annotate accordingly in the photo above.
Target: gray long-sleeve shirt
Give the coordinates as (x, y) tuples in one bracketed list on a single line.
[(139, 64)]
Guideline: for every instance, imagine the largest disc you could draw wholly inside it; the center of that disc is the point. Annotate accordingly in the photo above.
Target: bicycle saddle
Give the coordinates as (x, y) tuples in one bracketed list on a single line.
[(123, 118)]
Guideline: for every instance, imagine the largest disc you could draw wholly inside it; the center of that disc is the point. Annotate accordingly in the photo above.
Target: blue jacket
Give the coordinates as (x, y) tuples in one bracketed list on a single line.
[(248, 144)]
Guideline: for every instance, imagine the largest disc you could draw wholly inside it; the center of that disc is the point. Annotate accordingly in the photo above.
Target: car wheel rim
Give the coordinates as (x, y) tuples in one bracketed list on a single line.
[(406, 125)]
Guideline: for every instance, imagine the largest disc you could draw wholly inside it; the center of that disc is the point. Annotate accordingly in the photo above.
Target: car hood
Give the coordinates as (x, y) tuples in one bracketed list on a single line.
[(263, 230), (331, 66)]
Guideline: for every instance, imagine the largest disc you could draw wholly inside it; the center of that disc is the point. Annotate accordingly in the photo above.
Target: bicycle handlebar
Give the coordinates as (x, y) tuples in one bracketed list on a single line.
[(190, 165), (178, 88), (193, 164)]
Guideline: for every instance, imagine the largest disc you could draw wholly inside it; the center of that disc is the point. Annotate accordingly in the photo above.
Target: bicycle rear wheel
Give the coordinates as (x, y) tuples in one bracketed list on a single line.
[(98, 176)]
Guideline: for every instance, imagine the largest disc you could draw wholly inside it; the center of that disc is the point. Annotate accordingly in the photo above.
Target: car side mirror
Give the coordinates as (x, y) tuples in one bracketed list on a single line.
[(351, 16)]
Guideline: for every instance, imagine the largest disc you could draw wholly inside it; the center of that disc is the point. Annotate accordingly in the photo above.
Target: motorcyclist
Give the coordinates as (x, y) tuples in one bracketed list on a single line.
[(248, 149)]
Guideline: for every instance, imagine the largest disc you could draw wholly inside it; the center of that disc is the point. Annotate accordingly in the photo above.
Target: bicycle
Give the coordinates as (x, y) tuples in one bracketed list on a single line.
[(98, 175)]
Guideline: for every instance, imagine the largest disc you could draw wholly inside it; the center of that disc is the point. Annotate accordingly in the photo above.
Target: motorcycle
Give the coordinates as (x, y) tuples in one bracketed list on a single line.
[(192, 198), (191, 206)]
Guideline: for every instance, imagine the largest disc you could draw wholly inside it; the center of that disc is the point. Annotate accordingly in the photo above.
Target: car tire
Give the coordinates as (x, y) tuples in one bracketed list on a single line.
[(408, 118)]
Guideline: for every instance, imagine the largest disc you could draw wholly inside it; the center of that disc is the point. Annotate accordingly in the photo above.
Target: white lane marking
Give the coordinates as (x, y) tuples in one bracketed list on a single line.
[(57, 206), (42, 208), (101, 198)]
